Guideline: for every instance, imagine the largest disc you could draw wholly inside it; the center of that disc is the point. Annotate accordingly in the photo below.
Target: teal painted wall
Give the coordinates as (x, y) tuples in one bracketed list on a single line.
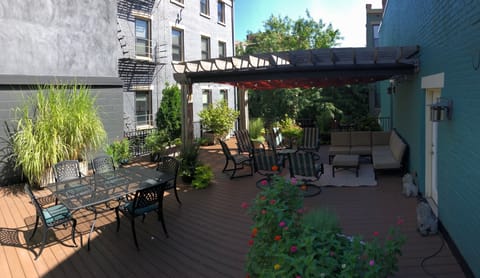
[(447, 32)]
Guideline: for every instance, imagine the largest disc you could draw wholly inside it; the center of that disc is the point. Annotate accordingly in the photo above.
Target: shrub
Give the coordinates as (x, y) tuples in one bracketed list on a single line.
[(203, 176), (218, 118), (119, 150), (285, 243), (169, 113), (256, 130), (157, 142)]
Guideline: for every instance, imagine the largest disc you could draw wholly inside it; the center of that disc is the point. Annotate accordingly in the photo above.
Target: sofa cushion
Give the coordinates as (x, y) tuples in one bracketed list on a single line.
[(380, 138), (361, 150), (360, 138), (340, 138), (334, 150), (385, 161), (397, 146)]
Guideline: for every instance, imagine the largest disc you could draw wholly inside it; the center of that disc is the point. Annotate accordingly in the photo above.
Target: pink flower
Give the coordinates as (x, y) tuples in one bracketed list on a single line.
[(300, 211), (272, 202), (282, 224), (376, 233), (400, 221), (371, 263), (244, 205), (293, 249), (264, 211), (298, 276), (293, 180), (264, 182), (263, 198)]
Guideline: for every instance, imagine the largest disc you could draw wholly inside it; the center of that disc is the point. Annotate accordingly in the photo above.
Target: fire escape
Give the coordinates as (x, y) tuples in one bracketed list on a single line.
[(140, 59)]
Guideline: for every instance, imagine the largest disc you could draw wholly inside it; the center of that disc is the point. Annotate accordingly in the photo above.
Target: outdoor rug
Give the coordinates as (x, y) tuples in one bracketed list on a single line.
[(346, 177)]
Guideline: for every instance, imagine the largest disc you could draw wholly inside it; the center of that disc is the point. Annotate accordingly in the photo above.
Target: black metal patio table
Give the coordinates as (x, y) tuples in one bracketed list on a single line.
[(90, 191)]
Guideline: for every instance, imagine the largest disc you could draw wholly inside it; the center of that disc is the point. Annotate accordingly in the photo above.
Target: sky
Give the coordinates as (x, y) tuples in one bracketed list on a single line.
[(348, 16)]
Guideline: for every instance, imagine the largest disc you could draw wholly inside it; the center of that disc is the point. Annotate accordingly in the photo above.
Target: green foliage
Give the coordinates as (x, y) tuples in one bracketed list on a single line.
[(286, 243), (368, 123), (64, 125), (169, 113), (218, 118), (256, 130), (119, 150), (189, 159), (157, 141), (290, 130), (203, 176), (282, 34)]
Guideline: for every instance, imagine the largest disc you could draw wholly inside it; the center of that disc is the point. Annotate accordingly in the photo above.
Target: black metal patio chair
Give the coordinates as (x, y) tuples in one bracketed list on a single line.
[(306, 168), (103, 164), (51, 217), (266, 164), (145, 201), (310, 139), (238, 160), (169, 165)]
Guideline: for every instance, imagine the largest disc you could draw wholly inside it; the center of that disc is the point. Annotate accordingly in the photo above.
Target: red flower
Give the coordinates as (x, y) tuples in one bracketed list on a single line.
[(274, 168), (254, 232), (244, 205), (250, 242), (277, 238), (376, 233), (272, 202), (400, 221)]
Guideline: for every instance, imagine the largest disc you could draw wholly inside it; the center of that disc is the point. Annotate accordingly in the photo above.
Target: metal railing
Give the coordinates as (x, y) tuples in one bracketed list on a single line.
[(137, 141)]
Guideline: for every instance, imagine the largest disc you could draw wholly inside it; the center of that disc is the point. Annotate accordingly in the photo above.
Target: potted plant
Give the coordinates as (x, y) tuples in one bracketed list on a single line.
[(64, 125), (203, 176), (218, 119), (157, 142), (119, 150), (188, 161)]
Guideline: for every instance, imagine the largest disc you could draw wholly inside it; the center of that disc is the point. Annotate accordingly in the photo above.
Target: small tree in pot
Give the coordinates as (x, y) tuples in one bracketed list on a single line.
[(218, 119)]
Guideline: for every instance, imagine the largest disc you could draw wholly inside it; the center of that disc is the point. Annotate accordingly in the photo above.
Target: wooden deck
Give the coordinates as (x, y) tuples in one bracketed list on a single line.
[(208, 233)]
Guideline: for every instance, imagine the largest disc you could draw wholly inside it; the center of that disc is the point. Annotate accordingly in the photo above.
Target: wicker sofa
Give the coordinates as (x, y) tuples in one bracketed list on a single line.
[(385, 148)]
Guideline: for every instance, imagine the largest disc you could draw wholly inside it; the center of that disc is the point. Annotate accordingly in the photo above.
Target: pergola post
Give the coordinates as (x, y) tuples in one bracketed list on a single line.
[(187, 114), (243, 107)]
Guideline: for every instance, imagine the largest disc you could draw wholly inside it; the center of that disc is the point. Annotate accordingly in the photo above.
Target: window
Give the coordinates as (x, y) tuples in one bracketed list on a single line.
[(204, 7), (224, 95), (221, 12), (142, 38), (205, 47), (222, 49), (143, 108), (376, 35), (206, 98), (177, 45)]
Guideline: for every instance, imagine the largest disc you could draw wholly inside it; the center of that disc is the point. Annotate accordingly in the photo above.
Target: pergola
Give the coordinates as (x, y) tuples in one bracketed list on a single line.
[(294, 69)]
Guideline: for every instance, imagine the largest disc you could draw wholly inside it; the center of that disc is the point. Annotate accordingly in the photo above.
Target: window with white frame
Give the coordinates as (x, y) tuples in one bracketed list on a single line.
[(222, 49), (206, 98), (224, 95), (205, 7), (177, 44), (142, 38), (221, 12), (143, 108), (205, 47)]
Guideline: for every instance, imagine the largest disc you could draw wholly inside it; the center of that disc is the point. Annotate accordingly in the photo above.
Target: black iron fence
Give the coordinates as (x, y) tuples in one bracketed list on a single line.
[(137, 141)]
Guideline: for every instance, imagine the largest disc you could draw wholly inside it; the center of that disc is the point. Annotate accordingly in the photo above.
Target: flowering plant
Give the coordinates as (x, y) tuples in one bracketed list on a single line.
[(286, 242)]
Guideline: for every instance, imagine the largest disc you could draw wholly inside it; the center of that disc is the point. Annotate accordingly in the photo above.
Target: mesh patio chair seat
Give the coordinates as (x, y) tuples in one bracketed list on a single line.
[(238, 160), (145, 201), (310, 139), (51, 217), (266, 164), (307, 169), (169, 165)]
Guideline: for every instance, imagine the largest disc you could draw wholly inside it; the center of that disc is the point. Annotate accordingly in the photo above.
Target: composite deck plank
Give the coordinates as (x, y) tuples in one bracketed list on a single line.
[(210, 231)]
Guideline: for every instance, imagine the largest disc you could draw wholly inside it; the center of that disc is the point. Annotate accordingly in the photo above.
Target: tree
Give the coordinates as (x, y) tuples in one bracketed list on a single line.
[(169, 112), (283, 34)]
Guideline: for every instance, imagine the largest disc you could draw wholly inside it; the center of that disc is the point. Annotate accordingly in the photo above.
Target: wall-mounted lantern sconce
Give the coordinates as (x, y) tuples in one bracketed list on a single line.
[(441, 110), (392, 88)]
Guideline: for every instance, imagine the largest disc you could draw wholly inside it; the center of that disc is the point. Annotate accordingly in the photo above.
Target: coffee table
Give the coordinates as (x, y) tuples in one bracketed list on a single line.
[(345, 161)]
